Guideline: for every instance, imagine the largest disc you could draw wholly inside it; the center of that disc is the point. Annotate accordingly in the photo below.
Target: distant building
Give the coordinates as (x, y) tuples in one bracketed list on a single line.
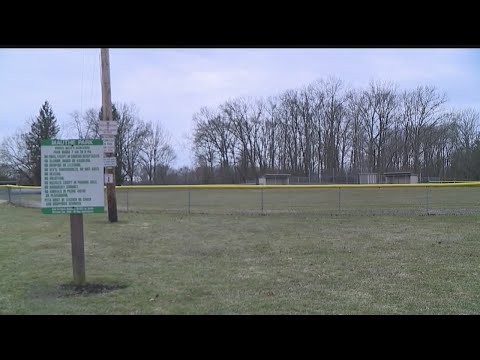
[(368, 178), (274, 179), (400, 177)]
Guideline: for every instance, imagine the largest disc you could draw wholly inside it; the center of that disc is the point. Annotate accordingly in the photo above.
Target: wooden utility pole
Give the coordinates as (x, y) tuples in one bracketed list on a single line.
[(107, 116)]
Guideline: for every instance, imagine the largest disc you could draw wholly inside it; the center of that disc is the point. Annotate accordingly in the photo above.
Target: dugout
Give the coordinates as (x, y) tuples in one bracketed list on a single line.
[(400, 177), (274, 179), (368, 178)]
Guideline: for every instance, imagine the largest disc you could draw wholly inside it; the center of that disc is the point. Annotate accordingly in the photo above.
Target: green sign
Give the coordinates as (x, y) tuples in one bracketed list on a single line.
[(72, 176)]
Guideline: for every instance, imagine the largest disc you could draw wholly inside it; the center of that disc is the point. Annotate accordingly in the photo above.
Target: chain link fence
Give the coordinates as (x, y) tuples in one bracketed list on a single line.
[(327, 200)]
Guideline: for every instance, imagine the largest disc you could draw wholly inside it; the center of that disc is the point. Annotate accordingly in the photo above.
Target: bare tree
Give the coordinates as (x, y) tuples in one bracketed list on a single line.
[(270, 133), (467, 121), (6, 172), (421, 108), (205, 144), (86, 124), (357, 132), (14, 155), (325, 128), (131, 135), (332, 116), (157, 154), (465, 125), (237, 115)]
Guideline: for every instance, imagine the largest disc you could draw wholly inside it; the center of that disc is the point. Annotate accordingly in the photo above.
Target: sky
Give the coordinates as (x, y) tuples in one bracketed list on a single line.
[(170, 85)]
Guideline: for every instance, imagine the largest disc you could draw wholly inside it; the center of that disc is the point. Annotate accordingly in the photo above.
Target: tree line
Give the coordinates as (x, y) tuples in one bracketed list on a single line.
[(327, 131), (143, 150)]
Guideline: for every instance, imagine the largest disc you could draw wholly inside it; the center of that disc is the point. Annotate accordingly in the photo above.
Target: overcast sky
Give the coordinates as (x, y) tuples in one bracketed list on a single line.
[(170, 85)]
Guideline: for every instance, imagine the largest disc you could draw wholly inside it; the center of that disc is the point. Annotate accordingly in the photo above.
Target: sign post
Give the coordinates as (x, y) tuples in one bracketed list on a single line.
[(78, 252), (72, 183), (108, 128)]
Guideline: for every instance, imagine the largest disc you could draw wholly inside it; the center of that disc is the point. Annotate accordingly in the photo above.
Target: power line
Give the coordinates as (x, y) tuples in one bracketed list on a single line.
[(81, 91)]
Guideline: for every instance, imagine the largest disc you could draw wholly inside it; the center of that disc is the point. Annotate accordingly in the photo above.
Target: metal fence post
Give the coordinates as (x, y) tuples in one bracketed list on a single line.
[(189, 190), (9, 189), (261, 199), (339, 208), (127, 199), (426, 198)]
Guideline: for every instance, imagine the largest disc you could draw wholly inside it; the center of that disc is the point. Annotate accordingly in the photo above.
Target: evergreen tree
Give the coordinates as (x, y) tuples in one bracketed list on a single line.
[(43, 127)]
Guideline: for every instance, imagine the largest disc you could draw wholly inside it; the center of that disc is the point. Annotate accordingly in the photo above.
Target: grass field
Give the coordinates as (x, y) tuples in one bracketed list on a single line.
[(163, 263)]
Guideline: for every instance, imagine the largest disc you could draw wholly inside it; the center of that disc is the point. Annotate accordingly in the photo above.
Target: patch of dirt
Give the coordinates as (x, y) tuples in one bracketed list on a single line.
[(88, 289)]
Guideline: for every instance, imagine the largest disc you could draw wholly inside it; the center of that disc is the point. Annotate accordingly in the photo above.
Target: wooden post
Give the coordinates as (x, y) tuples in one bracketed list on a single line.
[(78, 252), (107, 116)]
